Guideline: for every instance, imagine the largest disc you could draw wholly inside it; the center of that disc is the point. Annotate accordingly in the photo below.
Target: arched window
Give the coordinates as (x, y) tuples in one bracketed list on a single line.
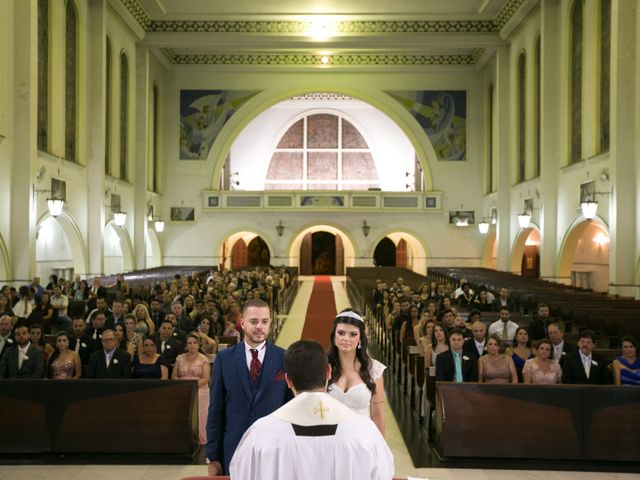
[(43, 74), (490, 138), (155, 160), (322, 151), (124, 114), (107, 120), (537, 144), (605, 73), (522, 108), (576, 83), (70, 82)]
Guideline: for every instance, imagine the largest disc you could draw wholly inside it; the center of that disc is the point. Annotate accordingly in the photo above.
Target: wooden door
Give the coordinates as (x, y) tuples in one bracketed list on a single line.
[(239, 257), (401, 254), (306, 263)]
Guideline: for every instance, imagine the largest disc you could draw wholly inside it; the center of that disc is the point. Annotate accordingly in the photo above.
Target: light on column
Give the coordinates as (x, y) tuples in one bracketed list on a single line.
[(158, 225), (483, 227)]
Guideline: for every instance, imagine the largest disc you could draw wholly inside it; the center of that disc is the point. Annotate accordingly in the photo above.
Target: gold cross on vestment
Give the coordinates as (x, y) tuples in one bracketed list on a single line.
[(320, 410)]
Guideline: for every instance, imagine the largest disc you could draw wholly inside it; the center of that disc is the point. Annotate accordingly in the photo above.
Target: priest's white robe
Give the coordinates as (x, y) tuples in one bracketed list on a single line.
[(313, 436)]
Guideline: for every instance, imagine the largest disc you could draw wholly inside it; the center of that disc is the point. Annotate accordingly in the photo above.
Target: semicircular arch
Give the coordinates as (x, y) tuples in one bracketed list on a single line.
[(569, 243), (267, 98), (5, 262), (247, 234), (488, 250), (518, 248), (74, 237), (128, 261), (419, 248), (348, 242)]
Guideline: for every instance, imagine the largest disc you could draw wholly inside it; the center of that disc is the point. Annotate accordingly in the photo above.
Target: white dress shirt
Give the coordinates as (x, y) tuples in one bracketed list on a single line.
[(262, 350)]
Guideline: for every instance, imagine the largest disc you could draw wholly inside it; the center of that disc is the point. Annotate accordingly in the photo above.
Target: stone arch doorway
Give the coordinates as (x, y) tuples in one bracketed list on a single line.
[(385, 253), (244, 248), (525, 256), (411, 251), (584, 256), (301, 249)]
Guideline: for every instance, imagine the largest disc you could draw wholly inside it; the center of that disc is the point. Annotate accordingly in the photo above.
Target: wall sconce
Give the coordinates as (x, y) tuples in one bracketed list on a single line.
[(589, 206), (483, 227), (280, 228), (158, 225), (54, 204), (119, 217), (524, 219), (365, 228)]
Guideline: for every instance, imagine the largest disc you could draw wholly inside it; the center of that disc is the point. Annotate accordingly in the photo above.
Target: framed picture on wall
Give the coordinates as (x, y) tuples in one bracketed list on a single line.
[(588, 191), (183, 214), (58, 189), (462, 217), (493, 215)]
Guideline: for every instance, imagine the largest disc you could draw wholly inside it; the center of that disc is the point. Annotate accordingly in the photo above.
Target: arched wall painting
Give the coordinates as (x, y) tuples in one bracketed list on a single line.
[(443, 117)]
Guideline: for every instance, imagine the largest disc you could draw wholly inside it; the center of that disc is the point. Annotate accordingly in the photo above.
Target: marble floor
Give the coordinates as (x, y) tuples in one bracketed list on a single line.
[(291, 332)]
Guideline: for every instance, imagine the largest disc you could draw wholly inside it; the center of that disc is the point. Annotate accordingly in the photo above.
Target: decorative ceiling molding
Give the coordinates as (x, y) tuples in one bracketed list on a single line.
[(343, 27), (316, 60), (321, 96)]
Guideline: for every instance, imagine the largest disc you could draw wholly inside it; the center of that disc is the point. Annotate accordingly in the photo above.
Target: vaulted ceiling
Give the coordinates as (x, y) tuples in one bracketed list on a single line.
[(347, 33)]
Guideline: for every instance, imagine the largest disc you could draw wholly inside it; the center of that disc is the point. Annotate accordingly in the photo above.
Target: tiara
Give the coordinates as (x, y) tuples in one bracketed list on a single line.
[(350, 314)]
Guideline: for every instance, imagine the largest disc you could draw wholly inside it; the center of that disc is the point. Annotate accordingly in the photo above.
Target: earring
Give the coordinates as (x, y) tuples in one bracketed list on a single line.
[(359, 345)]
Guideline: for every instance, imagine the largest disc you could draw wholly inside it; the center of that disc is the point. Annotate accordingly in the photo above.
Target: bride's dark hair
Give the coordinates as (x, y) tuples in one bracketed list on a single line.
[(362, 354)]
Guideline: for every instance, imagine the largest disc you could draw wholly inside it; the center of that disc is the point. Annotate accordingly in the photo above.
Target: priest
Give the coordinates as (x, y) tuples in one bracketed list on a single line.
[(313, 435)]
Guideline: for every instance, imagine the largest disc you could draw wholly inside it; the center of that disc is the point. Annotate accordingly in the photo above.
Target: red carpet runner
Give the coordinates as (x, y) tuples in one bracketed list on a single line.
[(320, 312)]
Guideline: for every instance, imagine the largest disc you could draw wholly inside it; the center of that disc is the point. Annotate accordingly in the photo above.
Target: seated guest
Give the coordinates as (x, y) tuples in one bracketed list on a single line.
[(503, 300), (505, 328), (166, 344), (481, 301), (231, 330), (6, 334), (560, 347), (37, 339), (22, 359), (193, 365), (424, 332), (313, 435), (22, 308), (121, 339), (64, 364), (178, 334), (520, 350), (134, 339), (477, 344), (110, 361), (5, 308), (543, 369), (80, 342), (626, 368), (448, 319), (439, 344), (584, 366), (407, 327), (144, 323), (465, 297), (149, 363), (453, 365), (496, 367), (540, 323), (203, 330), (97, 327), (458, 322)]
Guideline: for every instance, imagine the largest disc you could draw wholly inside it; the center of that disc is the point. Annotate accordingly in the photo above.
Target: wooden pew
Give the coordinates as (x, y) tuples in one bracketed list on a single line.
[(99, 416), (561, 422)]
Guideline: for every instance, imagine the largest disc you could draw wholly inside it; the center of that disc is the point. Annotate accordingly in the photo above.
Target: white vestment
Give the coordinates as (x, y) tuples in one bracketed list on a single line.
[(313, 436)]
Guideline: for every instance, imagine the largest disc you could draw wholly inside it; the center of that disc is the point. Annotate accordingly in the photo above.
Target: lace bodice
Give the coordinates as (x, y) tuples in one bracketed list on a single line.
[(193, 370), (358, 397)]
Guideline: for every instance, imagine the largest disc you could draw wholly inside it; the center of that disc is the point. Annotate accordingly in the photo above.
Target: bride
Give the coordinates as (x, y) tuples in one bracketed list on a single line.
[(356, 378)]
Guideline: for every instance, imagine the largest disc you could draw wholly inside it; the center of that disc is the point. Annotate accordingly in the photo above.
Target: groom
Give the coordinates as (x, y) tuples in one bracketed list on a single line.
[(247, 384)]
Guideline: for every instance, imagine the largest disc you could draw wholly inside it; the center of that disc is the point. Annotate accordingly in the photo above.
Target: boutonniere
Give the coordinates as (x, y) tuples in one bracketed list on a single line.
[(83, 345), (594, 363), (115, 361), (464, 357), (9, 340), (279, 376), (167, 347), (564, 353), (26, 357)]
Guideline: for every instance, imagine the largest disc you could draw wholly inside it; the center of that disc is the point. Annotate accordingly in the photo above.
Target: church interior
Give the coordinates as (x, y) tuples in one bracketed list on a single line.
[(323, 136)]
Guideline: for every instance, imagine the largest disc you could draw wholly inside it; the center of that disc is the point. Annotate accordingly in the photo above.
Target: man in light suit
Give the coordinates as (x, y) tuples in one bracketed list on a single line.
[(465, 369), (110, 361), (585, 367), (248, 384), (22, 360)]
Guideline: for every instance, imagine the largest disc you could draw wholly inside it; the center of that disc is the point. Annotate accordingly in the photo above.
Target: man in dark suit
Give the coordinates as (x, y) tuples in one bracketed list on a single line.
[(166, 344), (96, 291), (453, 365), (477, 345), (503, 300), (540, 323), (81, 343), (157, 315), (22, 360), (585, 367), (6, 334), (248, 384), (96, 329), (110, 361), (561, 348)]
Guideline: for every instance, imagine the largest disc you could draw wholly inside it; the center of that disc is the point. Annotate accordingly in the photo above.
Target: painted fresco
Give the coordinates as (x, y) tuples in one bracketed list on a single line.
[(443, 117), (203, 113)]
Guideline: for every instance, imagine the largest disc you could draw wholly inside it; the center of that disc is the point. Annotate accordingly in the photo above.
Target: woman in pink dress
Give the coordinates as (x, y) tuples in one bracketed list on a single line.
[(193, 365), (64, 364), (496, 367), (542, 369)]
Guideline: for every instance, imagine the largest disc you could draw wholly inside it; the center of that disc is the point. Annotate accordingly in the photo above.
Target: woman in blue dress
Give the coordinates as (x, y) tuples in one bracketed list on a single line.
[(626, 368), (149, 363), (520, 350)]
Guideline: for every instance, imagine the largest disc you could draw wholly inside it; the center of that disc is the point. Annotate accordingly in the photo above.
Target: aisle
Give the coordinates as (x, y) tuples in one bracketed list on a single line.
[(321, 311)]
